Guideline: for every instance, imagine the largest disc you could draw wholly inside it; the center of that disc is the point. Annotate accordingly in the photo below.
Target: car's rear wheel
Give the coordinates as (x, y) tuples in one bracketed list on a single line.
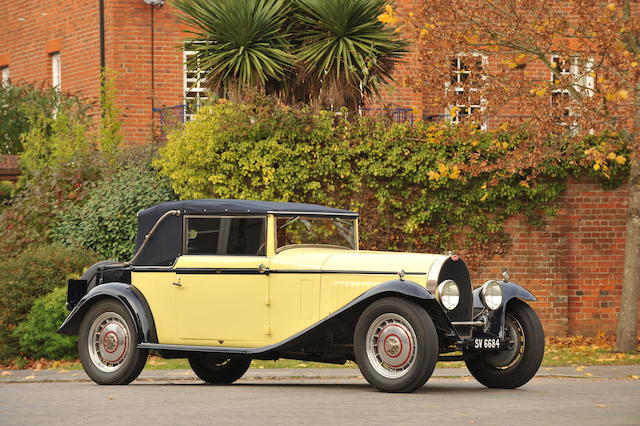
[(395, 345), (513, 367), (218, 370), (107, 344)]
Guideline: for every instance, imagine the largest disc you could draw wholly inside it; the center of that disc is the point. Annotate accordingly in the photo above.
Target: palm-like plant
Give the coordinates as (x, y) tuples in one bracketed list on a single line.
[(332, 51), (238, 43), (344, 48)]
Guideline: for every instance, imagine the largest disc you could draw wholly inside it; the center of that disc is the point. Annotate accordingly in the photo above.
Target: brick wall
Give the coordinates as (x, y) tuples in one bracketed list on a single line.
[(574, 264), (31, 30), (130, 55)]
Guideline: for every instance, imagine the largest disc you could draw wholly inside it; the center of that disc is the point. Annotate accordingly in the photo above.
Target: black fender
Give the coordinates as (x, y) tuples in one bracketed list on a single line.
[(411, 290), (399, 288), (131, 299), (510, 291)]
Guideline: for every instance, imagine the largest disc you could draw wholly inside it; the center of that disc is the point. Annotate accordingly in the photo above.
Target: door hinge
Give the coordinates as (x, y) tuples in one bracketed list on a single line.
[(268, 301), (267, 331)]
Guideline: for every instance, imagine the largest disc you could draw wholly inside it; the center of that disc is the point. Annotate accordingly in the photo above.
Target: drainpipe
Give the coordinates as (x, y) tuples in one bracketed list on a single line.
[(153, 4), (102, 58)]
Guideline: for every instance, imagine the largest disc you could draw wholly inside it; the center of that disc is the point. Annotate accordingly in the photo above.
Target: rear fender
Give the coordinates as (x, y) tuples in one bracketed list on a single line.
[(130, 298)]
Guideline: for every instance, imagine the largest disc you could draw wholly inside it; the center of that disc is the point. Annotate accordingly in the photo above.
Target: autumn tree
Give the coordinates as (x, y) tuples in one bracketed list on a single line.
[(590, 50)]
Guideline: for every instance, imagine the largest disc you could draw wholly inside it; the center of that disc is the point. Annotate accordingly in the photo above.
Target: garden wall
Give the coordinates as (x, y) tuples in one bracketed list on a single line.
[(575, 264)]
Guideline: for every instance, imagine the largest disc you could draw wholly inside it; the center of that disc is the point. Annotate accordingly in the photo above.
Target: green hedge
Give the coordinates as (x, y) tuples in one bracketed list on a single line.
[(37, 335), (29, 275), (417, 187), (106, 221)]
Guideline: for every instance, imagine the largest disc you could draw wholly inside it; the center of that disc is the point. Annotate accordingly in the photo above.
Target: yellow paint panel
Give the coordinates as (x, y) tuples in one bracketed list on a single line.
[(306, 300), (254, 310), (294, 304), (160, 295)]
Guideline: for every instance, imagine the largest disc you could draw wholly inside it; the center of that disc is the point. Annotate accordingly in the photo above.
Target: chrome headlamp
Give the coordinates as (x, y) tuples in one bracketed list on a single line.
[(448, 294), (491, 295)]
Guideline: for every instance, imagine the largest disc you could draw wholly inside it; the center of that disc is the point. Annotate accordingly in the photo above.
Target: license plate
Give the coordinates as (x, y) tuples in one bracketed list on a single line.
[(486, 344)]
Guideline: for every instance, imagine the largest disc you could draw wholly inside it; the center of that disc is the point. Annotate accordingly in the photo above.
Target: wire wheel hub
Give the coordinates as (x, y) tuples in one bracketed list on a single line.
[(108, 341), (391, 345)]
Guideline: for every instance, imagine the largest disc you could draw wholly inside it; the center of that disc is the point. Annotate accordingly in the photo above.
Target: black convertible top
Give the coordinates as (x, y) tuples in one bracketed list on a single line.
[(216, 206), (165, 244)]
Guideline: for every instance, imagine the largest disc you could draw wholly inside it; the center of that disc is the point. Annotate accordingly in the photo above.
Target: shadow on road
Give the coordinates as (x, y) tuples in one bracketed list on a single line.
[(467, 387)]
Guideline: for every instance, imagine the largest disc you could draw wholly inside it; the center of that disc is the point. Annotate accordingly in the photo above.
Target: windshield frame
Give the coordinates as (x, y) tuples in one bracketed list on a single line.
[(291, 216)]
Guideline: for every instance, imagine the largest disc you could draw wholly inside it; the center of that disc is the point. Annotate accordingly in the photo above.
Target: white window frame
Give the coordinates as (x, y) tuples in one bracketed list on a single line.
[(193, 86), (455, 118), (6, 75), (56, 71), (581, 73)]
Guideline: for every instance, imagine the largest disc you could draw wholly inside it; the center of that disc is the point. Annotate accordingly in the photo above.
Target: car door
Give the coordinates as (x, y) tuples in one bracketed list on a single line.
[(221, 291)]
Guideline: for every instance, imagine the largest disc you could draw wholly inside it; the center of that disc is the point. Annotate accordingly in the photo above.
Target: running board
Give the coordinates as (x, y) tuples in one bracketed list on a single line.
[(207, 349)]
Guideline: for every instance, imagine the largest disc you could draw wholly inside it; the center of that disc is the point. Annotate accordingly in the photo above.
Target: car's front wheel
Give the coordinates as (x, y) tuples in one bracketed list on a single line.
[(107, 344), (513, 367), (395, 345), (217, 370)]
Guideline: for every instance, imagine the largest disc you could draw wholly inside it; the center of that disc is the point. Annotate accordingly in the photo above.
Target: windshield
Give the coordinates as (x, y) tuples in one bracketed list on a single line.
[(329, 231)]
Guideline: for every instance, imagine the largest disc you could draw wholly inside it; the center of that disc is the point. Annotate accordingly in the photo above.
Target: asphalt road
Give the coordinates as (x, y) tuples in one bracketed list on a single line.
[(330, 398)]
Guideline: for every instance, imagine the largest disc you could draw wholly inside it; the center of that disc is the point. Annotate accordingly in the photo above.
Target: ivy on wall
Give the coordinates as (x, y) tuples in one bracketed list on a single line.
[(423, 187)]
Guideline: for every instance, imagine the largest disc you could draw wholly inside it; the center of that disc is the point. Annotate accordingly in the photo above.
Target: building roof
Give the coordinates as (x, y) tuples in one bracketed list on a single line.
[(9, 167)]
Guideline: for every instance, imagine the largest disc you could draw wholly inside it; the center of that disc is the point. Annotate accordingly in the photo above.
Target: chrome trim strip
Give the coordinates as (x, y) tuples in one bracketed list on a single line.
[(243, 271)]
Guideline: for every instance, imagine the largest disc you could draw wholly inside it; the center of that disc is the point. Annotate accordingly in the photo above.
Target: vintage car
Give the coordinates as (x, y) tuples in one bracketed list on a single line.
[(222, 282)]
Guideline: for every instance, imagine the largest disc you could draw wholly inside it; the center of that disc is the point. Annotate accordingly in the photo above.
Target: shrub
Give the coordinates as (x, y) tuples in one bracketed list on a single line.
[(55, 137), (106, 222), (37, 335), (17, 103), (36, 205), (29, 275), (424, 187), (6, 189), (259, 151), (59, 158)]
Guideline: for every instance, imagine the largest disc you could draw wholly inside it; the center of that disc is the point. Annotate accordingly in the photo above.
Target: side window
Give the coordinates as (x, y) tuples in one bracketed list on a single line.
[(225, 236)]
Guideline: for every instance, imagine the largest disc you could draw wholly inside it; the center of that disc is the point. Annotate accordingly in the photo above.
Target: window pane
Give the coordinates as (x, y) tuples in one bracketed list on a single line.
[(56, 77), (226, 236), (203, 235), (5, 75), (297, 230), (246, 237)]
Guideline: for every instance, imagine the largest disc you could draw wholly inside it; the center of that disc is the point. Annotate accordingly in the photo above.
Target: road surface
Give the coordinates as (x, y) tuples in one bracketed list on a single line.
[(327, 396)]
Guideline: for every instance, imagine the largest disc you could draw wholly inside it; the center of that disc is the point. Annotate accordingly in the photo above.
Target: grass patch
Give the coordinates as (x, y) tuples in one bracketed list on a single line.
[(580, 351)]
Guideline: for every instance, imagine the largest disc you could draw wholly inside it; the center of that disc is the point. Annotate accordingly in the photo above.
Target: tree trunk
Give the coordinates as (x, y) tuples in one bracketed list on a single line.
[(628, 318)]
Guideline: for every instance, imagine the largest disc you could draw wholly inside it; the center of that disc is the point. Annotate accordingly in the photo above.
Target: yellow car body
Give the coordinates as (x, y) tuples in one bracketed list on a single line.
[(259, 310), (222, 282)]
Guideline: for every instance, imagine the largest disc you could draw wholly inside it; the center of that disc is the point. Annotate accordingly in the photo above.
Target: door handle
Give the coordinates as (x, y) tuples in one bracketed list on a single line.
[(263, 269), (177, 283)]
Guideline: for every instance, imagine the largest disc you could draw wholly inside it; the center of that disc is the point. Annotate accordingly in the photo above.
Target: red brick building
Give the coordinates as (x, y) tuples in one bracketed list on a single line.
[(9, 167), (574, 264), (59, 43)]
